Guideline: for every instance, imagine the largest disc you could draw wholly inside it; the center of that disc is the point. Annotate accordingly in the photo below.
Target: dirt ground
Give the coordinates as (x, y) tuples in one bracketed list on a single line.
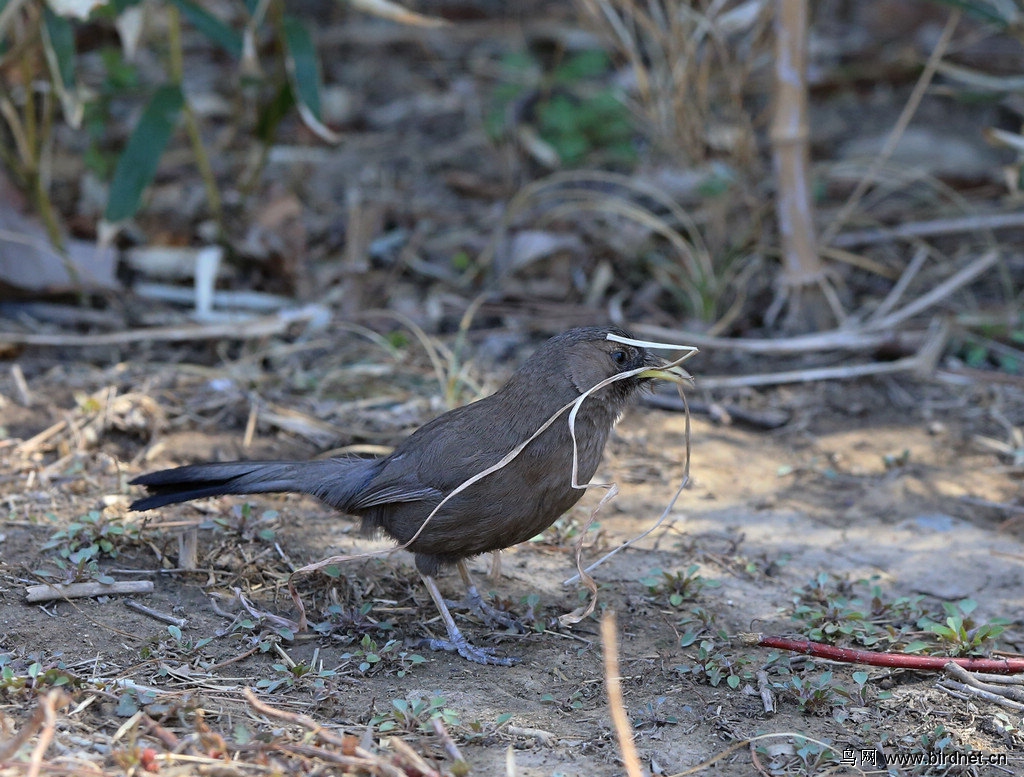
[(877, 480)]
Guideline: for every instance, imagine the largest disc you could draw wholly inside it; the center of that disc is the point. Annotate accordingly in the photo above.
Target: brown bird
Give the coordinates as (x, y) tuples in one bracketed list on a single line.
[(396, 493)]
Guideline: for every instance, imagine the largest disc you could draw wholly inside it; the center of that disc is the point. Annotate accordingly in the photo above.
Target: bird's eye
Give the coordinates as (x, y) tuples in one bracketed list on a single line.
[(619, 357)]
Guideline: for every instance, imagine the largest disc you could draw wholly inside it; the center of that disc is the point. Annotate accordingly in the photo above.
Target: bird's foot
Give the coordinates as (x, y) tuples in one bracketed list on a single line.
[(490, 615), (469, 651)]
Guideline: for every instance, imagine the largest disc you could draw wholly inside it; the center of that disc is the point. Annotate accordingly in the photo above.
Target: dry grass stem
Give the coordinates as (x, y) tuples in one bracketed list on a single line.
[(690, 62), (939, 293), (913, 267), (919, 229), (616, 706), (49, 704)]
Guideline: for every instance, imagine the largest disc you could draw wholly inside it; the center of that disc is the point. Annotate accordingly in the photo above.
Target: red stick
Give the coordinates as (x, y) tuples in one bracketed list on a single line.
[(871, 658)]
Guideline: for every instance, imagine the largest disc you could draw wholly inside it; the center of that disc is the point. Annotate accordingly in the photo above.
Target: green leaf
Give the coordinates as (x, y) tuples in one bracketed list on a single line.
[(303, 63), (62, 38), (175, 632), (126, 706), (213, 28), (586, 64), (138, 162)]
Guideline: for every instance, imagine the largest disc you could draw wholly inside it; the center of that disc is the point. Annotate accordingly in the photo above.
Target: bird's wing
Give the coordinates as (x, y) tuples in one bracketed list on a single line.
[(436, 459), (391, 493)]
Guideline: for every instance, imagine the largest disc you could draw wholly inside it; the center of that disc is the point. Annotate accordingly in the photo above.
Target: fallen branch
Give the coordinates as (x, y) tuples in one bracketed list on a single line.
[(873, 658), (1011, 696), (243, 329), (156, 614), (47, 592), (916, 229)]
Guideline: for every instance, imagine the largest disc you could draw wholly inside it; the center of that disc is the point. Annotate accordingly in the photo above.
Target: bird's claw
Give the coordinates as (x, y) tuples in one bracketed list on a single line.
[(490, 615), (470, 651)]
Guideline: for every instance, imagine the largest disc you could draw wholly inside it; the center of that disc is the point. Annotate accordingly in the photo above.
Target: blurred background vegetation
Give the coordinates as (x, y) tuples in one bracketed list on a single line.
[(562, 162)]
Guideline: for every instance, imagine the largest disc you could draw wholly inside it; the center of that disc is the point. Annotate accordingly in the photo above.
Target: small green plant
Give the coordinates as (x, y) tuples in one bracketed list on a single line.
[(350, 620), (829, 611), (652, 715), (680, 586), (815, 695), (39, 46), (387, 657), (244, 523), (413, 715), (573, 110), (131, 700), (26, 677), (859, 693), (717, 661), (289, 677), (959, 635), (572, 703), (803, 756), (121, 78), (91, 536), (172, 644), (698, 622)]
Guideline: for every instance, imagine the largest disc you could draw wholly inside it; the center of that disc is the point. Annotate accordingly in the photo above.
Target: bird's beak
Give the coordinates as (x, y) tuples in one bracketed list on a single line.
[(673, 374)]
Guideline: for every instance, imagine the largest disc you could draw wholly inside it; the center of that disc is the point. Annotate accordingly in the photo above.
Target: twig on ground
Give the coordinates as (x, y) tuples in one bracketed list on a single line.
[(986, 221), (764, 686), (12, 745), (405, 753), (351, 753), (913, 267), (47, 592), (156, 614), (21, 385), (542, 736), (247, 329), (937, 294), (450, 747), (1005, 695), (873, 658), (844, 340), (298, 719)]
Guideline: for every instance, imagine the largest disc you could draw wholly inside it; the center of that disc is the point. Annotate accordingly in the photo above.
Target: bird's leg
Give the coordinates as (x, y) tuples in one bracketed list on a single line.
[(456, 640), (492, 616), (495, 573)]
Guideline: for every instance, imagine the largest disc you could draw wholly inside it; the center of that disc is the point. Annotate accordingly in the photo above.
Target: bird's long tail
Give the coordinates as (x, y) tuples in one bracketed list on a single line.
[(335, 481)]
